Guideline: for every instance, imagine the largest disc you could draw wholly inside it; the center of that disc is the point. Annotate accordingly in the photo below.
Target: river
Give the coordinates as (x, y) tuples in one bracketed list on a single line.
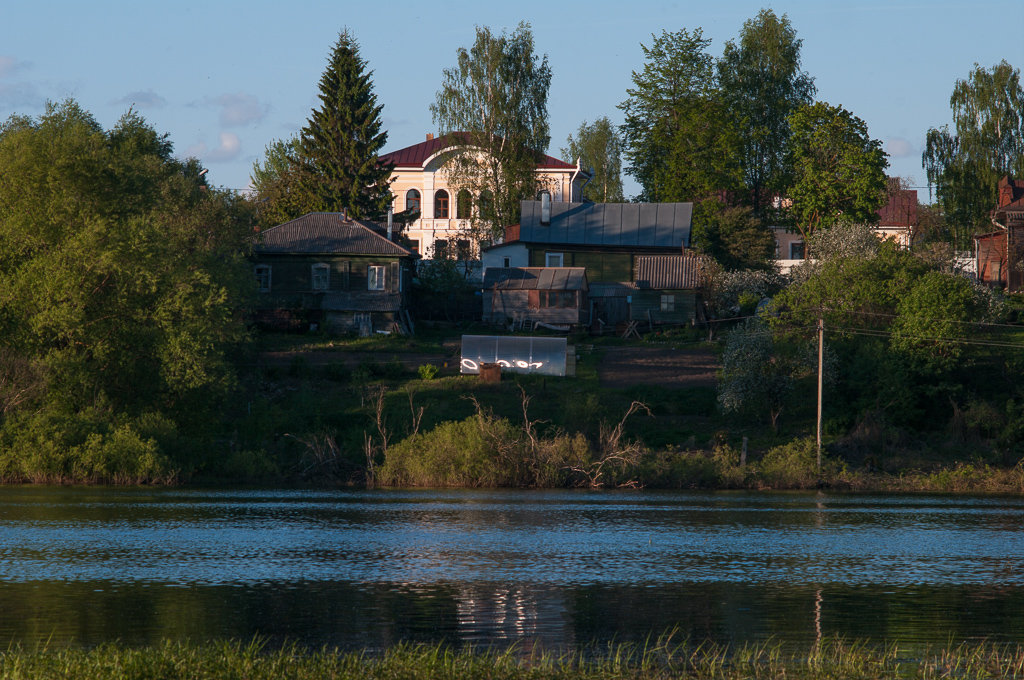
[(556, 569)]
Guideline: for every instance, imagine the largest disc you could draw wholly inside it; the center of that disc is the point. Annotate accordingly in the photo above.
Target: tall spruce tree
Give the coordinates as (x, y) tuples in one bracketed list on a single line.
[(339, 146)]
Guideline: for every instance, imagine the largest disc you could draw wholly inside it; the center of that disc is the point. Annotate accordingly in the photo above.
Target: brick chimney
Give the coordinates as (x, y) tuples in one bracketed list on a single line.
[(1005, 191), (430, 136)]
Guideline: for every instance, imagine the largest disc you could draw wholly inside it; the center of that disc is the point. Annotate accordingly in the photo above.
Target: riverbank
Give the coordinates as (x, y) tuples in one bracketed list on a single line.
[(832, 659)]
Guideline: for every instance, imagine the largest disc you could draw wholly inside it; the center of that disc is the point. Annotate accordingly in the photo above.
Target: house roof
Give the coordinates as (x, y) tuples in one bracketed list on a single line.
[(900, 210), (645, 225), (535, 278), (416, 156), (326, 233), (668, 272)]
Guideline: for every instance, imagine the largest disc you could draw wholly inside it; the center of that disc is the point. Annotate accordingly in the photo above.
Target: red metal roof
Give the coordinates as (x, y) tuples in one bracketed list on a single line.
[(416, 156), (900, 211)]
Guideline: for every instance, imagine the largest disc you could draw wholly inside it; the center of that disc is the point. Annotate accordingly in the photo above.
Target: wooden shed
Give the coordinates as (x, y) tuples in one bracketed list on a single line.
[(524, 296)]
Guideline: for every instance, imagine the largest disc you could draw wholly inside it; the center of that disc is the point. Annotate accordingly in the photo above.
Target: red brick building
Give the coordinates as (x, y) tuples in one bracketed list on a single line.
[(1000, 253)]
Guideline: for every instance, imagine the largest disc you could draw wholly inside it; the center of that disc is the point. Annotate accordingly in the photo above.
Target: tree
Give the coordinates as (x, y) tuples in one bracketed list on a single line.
[(763, 85), (987, 143), (734, 237), (338, 166), (121, 271), (275, 182), (838, 170), (493, 108), (679, 136), (599, 147)]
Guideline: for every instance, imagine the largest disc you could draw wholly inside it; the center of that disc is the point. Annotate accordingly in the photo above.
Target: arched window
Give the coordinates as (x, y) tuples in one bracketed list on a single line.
[(441, 204), (412, 200), (541, 193), (464, 205), (486, 205)]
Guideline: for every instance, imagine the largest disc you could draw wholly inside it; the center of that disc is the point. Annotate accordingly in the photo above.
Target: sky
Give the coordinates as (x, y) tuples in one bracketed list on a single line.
[(224, 79)]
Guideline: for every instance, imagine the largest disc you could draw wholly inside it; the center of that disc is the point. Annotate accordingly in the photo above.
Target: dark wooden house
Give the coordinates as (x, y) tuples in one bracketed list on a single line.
[(322, 269), (1000, 253), (621, 246), (523, 296)]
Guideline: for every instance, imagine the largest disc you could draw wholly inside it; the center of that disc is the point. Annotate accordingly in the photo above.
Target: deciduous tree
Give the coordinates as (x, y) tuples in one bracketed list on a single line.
[(838, 170), (986, 143), (493, 106), (763, 85), (599, 147), (275, 183), (680, 139)]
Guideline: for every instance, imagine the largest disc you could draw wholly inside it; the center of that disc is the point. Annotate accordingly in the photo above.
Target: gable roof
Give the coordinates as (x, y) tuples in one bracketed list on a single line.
[(416, 156), (535, 278), (900, 210), (669, 272), (326, 233), (645, 225)]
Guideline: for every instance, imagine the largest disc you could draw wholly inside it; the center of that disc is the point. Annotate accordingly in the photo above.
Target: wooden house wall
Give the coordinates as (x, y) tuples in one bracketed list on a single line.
[(499, 305), (649, 301), (601, 267), (294, 273)]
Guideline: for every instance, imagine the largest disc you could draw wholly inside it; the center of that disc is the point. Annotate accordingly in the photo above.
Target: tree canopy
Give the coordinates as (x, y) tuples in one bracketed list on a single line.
[(121, 271), (495, 102), (763, 85), (599, 147), (838, 170), (986, 143), (680, 138)]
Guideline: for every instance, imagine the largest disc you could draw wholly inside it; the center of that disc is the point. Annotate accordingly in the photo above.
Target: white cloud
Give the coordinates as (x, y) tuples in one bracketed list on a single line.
[(9, 65), (228, 150), (239, 109), (897, 147), (145, 99)]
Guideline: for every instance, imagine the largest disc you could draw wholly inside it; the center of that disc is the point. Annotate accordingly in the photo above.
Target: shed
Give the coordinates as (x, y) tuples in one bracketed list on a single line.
[(550, 295)]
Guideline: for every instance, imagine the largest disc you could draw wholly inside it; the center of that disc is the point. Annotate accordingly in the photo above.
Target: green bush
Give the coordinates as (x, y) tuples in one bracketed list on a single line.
[(793, 465), (428, 371)]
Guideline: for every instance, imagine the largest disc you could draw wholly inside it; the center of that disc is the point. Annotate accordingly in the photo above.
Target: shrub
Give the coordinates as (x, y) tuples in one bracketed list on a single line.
[(428, 371), (793, 465)]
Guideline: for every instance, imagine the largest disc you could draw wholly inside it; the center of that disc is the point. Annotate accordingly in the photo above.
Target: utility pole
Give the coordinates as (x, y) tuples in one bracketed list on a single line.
[(821, 356)]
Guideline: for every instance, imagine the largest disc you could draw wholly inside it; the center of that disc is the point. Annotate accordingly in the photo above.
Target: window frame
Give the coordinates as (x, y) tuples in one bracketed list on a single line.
[(668, 302), (320, 273), (553, 257), (442, 202), (376, 277), (417, 200), (259, 270)]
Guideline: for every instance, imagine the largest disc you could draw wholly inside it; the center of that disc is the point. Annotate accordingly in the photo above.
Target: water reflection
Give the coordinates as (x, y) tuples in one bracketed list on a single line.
[(556, 569)]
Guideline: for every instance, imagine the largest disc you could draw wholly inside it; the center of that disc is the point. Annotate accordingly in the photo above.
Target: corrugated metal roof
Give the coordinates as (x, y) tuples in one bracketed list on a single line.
[(323, 233), (535, 278), (416, 155), (643, 225), (668, 272)]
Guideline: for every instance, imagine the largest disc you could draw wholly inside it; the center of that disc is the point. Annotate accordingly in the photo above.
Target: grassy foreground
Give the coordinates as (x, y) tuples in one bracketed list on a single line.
[(832, 659)]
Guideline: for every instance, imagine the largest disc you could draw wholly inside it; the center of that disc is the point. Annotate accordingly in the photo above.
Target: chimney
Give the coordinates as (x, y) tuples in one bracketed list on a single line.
[(545, 208), (1005, 191), (391, 213), (430, 136)]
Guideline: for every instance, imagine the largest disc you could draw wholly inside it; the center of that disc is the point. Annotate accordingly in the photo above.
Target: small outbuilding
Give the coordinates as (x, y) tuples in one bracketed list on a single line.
[(525, 296)]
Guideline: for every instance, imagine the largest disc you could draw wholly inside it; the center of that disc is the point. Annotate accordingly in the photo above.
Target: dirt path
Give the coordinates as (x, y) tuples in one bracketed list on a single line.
[(664, 366)]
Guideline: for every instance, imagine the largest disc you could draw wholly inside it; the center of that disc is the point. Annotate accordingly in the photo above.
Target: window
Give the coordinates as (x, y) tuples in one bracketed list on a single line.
[(542, 193), (553, 259), (414, 245), (441, 204), (668, 303), (321, 276), (462, 250), (263, 278), (464, 205), (375, 277), (558, 299), (412, 200), (796, 250), (486, 205), (506, 262), (440, 249)]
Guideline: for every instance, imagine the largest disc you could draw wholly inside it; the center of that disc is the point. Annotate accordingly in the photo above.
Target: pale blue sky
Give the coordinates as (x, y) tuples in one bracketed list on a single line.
[(226, 78)]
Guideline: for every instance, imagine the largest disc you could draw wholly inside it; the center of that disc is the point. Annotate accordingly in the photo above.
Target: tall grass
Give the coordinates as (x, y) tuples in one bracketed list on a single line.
[(833, 659)]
